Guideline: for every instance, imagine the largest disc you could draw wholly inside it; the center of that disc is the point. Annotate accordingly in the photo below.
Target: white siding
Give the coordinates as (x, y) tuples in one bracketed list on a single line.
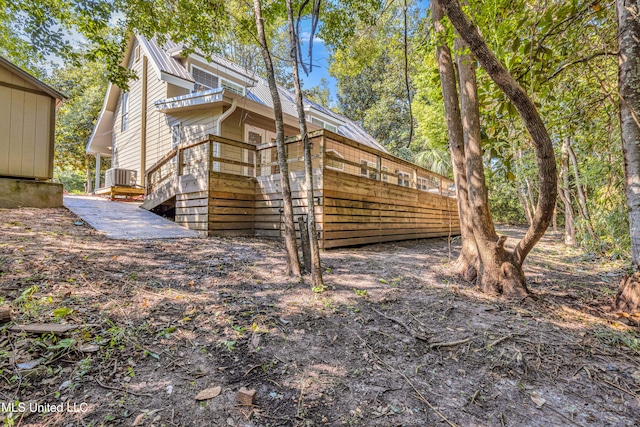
[(126, 145)]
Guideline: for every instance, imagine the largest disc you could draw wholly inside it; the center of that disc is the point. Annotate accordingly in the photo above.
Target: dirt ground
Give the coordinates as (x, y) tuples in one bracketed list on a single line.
[(396, 340)]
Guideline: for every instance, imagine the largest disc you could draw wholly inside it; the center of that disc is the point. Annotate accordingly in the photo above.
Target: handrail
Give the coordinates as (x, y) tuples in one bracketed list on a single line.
[(354, 144)]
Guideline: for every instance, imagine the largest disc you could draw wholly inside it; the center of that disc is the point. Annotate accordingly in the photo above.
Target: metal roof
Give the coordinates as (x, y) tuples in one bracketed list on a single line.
[(259, 93), (163, 60)]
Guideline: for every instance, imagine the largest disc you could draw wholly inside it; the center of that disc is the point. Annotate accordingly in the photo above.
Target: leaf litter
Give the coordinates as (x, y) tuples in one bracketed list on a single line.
[(147, 326)]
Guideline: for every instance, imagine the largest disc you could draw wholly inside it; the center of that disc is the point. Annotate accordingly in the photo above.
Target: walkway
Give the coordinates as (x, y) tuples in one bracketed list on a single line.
[(119, 220)]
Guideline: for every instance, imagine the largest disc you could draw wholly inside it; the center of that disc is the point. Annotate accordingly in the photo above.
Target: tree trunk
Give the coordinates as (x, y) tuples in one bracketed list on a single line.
[(498, 272), (316, 268), (521, 195), (629, 91), (582, 197), (628, 297), (565, 195), (547, 173), (466, 265), (304, 242), (293, 262), (554, 219)]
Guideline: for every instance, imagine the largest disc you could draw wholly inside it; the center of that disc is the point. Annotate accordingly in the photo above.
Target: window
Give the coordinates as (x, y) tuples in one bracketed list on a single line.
[(385, 176), (175, 135), (124, 108), (233, 87), (333, 161), (368, 169), (137, 53), (423, 184), (323, 124), (254, 137), (204, 80), (404, 179)]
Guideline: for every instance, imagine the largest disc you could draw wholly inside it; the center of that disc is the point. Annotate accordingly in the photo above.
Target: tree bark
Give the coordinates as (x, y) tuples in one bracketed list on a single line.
[(467, 262), (316, 268), (498, 272), (565, 195), (293, 262), (304, 242), (582, 197), (547, 173), (629, 92)]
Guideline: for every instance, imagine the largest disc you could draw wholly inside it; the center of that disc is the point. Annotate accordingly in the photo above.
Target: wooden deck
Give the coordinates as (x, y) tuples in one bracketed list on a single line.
[(116, 190), (228, 188)]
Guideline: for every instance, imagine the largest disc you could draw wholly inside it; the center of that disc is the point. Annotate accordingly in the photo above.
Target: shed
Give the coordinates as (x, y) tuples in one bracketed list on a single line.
[(27, 124)]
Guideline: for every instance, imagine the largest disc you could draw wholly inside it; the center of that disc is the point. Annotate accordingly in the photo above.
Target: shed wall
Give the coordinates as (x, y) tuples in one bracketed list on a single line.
[(26, 128)]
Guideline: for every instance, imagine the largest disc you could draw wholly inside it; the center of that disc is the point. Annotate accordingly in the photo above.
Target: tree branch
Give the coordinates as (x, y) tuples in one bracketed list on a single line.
[(547, 172)]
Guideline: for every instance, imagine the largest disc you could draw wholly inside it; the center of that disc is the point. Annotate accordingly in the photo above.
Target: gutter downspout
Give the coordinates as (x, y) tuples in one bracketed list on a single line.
[(225, 115)]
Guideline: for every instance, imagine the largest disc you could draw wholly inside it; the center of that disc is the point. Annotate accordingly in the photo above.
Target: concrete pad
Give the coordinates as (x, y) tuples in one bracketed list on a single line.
[(119, 220), (25, 193)]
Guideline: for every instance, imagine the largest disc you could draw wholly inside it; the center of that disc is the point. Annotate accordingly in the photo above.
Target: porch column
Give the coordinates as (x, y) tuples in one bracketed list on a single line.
[(88, 181), (97, 179)]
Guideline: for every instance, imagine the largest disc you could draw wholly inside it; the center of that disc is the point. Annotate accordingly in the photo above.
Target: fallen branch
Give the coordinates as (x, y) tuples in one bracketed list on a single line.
[(401, 323), (124, 390), (49, 328), (506, 337), (449, 344), (399, 372)]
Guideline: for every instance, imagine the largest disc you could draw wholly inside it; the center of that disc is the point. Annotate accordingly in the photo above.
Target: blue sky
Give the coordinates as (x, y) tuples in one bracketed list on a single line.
[(320, 60)]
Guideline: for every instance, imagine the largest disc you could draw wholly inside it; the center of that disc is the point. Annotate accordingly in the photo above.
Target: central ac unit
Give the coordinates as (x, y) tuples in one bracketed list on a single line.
[(120, 177)]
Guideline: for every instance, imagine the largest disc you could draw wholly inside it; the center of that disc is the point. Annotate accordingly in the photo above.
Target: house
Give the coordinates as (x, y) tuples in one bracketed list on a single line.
[(198, 135), (27, 123)]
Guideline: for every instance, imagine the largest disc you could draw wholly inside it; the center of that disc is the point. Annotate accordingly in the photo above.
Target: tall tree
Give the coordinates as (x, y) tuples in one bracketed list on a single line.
[(628, 297), (316, 268), (293, 262), (629, 92), (467, 263), (500, 270)]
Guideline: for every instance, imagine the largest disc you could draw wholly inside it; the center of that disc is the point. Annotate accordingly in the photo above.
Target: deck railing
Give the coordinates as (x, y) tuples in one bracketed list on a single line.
[(329, 150), (212, 154)]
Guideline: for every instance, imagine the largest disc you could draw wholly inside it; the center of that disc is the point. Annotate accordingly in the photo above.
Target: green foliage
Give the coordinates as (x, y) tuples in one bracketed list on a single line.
[(62, 312), (84, 84)]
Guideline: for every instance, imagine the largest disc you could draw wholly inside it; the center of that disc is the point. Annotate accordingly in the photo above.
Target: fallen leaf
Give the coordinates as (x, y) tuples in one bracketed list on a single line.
[(539, 401), (139, 419), (209, 393)]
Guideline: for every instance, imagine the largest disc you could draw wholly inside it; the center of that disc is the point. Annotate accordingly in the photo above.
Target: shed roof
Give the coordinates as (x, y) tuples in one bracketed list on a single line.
[(36, 82)]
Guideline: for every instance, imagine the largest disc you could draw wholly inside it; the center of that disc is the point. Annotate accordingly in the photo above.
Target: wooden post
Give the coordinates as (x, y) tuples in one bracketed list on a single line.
[(379, 167), (179, 161), (415, 178), (305, 243)]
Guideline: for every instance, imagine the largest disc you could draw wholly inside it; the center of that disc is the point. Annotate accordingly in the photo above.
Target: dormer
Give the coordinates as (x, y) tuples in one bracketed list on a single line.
[(322, 119), (207, 80)]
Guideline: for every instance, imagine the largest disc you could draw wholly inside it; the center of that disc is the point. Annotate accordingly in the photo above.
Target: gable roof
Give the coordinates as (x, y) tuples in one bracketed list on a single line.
[(34, 81), (259, 92)]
